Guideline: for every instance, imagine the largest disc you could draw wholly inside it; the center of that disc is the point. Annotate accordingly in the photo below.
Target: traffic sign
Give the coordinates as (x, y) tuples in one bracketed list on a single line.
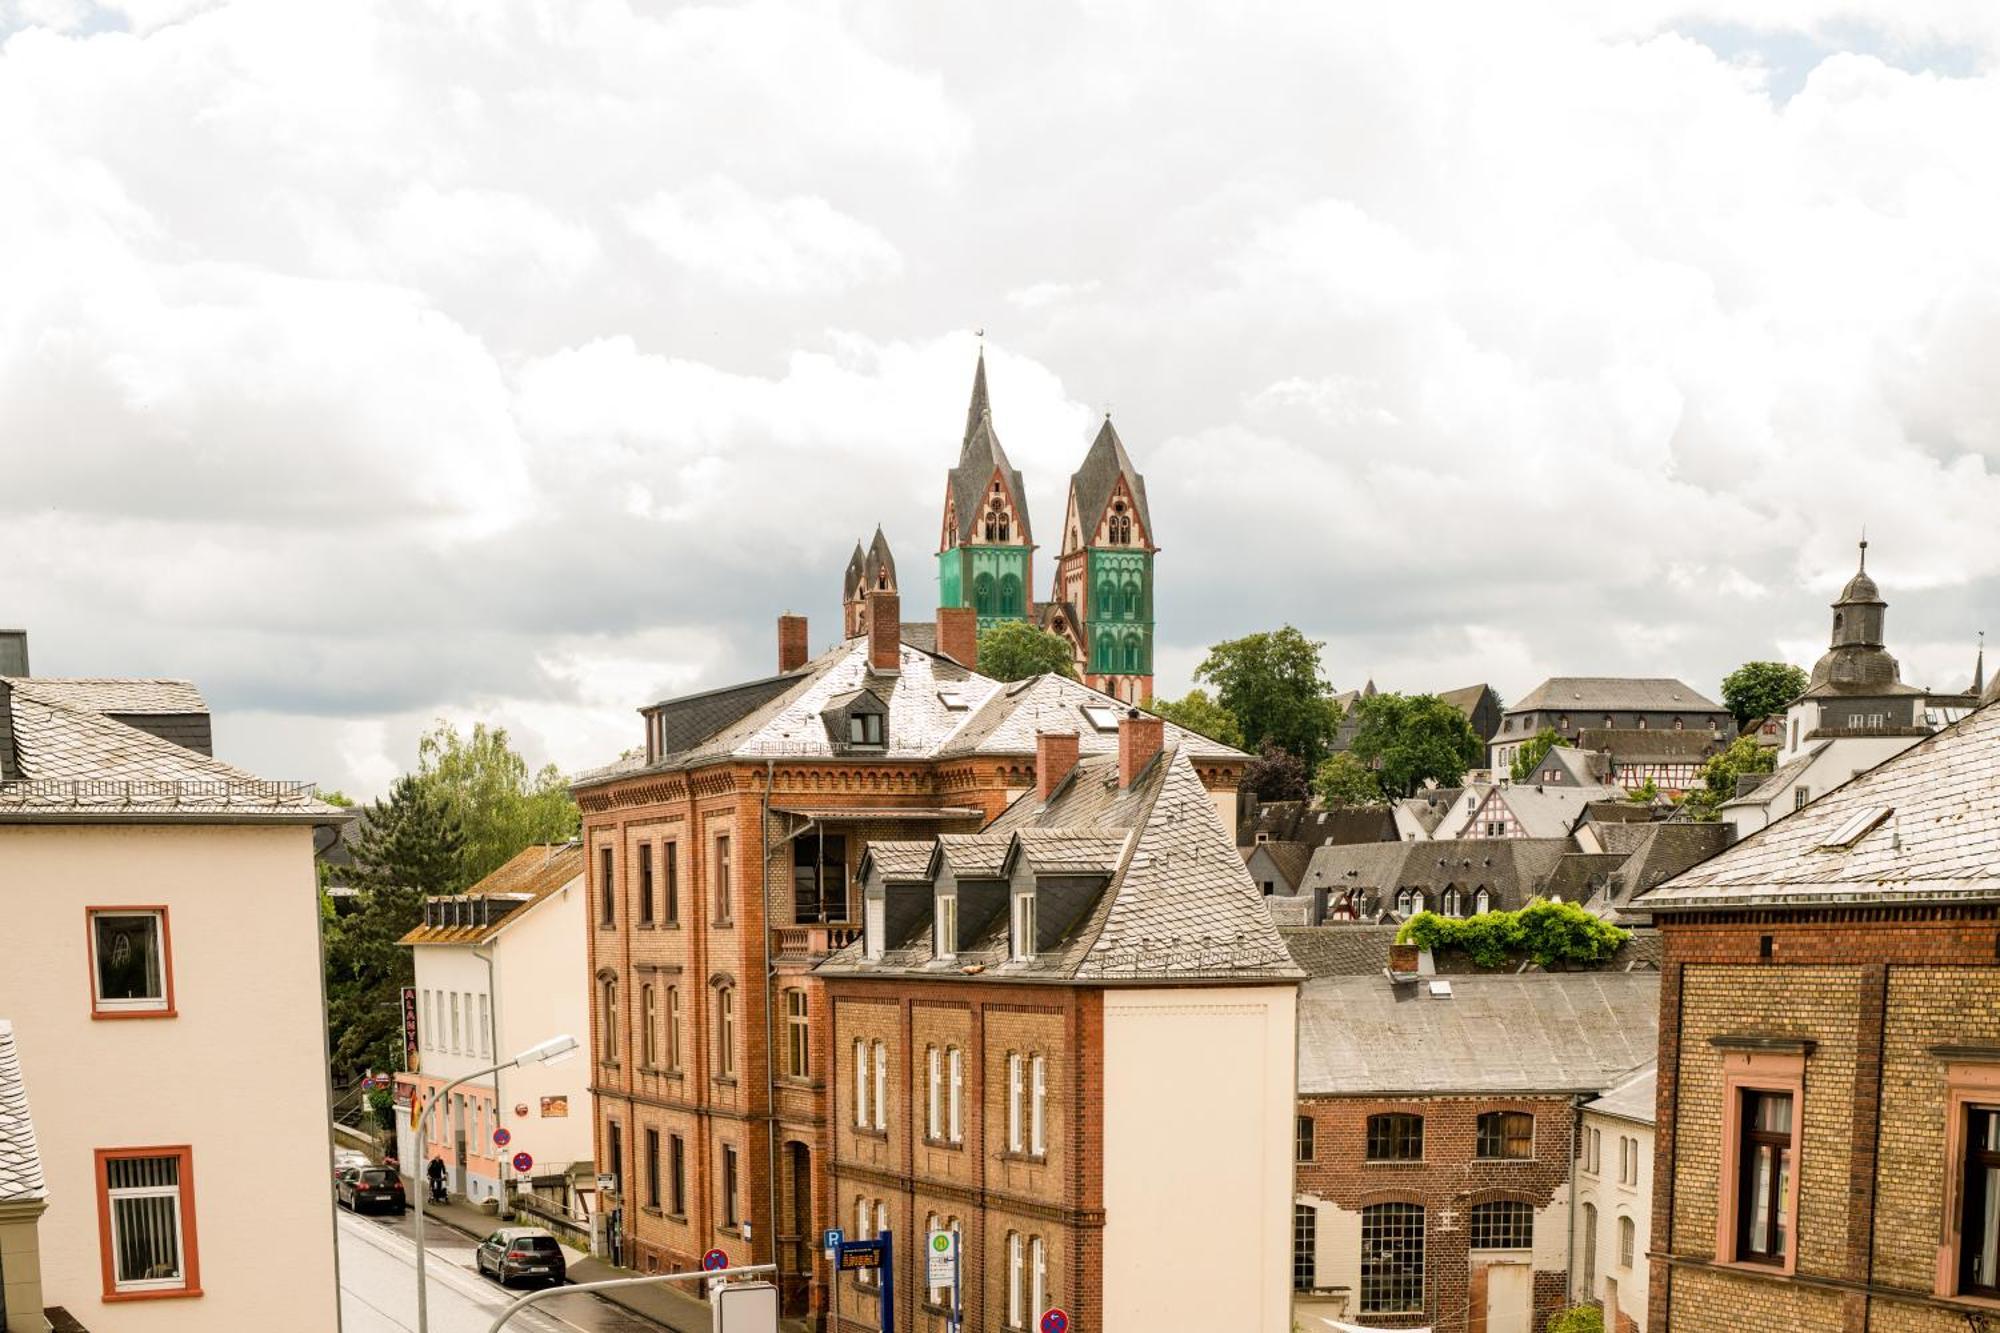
[(523, 1162), (713, 1260), (941, 1258), (831, 1239), (1055, 1321), (502, 1137)]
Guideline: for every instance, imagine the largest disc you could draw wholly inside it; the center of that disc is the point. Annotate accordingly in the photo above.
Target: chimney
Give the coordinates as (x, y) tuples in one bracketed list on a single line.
[(13, 652), (1403, 960), (1140, 736), (792, 643), (958, 635), (1055, 756), (885, 632)]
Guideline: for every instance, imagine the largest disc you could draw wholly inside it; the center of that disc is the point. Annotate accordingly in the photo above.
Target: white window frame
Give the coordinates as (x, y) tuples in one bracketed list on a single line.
[(144, 1005), (862, 1215), (113, 1197), (485, 1029), (1038, 1279), (1013, 1101), (874, 925), (934, 1291), (1014, 1319), (861, 1120), (1024, 928), (933, 1101), (454, 1023), (944, 929), (955, 1075), (1038, 1071), (881, 1085)]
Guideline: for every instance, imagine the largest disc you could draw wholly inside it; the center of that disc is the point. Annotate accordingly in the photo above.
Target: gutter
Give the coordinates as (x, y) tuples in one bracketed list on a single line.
[(770, 1051)]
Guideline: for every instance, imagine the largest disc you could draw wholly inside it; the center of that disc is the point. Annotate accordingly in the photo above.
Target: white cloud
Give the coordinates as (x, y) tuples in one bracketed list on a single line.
[(795, 244)]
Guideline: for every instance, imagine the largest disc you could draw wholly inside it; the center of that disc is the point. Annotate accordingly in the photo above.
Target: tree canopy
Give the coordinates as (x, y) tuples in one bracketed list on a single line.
[(1016, 650), (1549, 933), (498, 805), (1758, 689), (1533, 750), (1199, 713), (1275, 775), (1344, 781), (1409, 738), (1743, 757), (1272, 685)]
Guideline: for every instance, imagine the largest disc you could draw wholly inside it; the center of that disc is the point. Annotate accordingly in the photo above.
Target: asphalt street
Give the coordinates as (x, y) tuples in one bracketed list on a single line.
[(378, 1288)]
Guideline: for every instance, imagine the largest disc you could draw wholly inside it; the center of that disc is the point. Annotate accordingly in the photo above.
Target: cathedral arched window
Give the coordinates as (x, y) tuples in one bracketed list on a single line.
[(1003, 527), (982, 594), (1107, 599), (1010, 592), (1132, 654), (1131, 600)]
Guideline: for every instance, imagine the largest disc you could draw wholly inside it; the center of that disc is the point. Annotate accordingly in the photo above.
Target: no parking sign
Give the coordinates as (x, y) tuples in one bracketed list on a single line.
[(1055, 1321)]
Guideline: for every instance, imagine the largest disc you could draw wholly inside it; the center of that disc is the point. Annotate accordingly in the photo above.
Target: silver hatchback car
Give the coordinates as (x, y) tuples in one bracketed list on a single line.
[(521, 1254)]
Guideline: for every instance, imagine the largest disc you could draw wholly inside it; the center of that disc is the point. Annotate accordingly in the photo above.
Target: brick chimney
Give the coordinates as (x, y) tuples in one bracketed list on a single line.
[(1055, 756), (1140, 736), (885, 632), (958, 635), (793, 647)]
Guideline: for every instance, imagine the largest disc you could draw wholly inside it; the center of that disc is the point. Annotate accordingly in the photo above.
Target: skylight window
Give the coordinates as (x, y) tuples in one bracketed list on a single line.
[(952, 699), (1856, 828), (1102, 716)]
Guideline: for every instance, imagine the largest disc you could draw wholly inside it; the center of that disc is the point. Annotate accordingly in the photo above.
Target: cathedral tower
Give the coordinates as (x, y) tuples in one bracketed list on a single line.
[(871, 571), (985, 554), (1103, 598)]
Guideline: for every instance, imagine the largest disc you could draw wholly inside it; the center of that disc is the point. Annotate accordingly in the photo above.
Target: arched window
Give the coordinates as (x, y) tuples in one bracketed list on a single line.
[(1628, 1235), (1589, 1251), (1482, 901), (1107, 600), (1403, 903), (609, 995), (982, 594), (1416, 901), (1395, 1137), (1132, 654), (1502, 1225), (674, 1027), (1003, 527), (1451, 903), (725, 1031), (1010, 593), (648, 1039)]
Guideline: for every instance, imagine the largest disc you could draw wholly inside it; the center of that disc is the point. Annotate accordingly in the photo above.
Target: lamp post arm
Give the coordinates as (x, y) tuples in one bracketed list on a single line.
[(423, 1180)]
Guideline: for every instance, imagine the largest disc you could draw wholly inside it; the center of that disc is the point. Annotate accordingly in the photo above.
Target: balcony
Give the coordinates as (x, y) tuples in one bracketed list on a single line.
[(812, 943)]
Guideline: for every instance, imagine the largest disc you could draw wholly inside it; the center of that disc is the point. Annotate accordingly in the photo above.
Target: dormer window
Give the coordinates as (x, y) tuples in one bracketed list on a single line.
[(1023, 942), (857, 720), (864, 729), (944, 937)]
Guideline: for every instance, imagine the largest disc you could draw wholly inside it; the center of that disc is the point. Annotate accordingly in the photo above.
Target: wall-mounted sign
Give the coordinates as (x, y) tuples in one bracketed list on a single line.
[(412, 1034), (520, 1110), (553, 1108)]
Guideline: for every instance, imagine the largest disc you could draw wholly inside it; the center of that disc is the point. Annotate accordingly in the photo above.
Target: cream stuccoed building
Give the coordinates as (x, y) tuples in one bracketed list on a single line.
[(1614, 1202), (162, 976)]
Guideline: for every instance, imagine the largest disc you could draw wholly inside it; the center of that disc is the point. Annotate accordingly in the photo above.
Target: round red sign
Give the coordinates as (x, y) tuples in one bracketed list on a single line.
[(523, 1162), (1055, 1321), (713, 1260), (502, 1137)]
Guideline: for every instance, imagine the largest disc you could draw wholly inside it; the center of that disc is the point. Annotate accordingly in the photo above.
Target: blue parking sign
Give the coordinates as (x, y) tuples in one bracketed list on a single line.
[(832, 1239)]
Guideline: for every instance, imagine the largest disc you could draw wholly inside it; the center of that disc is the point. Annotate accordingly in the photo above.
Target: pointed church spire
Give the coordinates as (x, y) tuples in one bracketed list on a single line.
[(978, 409)]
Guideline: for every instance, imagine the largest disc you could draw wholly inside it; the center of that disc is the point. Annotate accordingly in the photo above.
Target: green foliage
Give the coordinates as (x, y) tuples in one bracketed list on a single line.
[(1533, 750), (1408, 738), (338, 797), (1201, 714), (411, 848), (1758, 689), (487, 789), (1271, 684), (1016, 650), (1345, 781), (1546, 932), (1744, 756), (1577, 1319), (1645, 793), (1275, 775), (382, 1103)]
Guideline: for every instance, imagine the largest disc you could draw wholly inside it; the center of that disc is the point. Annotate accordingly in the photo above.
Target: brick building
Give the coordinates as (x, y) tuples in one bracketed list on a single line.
[(1437, 1123), (1828, 1124), (720, 867), (1070, 1037)]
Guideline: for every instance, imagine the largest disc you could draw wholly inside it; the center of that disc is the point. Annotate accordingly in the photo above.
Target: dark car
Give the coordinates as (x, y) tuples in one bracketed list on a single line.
[(365, 1187), (521, 1254)]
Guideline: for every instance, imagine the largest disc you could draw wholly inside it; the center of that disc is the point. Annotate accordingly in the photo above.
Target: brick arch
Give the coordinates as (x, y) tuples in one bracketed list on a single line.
[(1392, 1194), (719, 979), (1503, 1194)]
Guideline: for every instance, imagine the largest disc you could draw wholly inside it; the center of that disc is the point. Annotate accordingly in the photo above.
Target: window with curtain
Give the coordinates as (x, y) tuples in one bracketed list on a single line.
[(1979, 1205), (142, 1201), (955, 1076), (1013, 1101), (1015, 1303), (933, 1093), (1038, 1086), (1764, 1165), (725, 1031), (861, 1080)]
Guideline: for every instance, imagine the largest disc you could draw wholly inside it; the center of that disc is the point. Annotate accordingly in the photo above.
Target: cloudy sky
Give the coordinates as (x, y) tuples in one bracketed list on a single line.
[(377, 362)]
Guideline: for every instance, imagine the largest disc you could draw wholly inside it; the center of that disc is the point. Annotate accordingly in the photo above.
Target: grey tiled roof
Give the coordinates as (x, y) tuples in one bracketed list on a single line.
[(1009, 719), (1628, 694), (75, 762), (1512, 870), (1340, 950), (1093, 483), (974, 855), (20, 1160), (1636, 745), (1939, 842), (1780, 778), (1068, 851), (112, 695), (902, 859), (1636, 1099), (1290, 858), (1544, 812), (1558, 1032)]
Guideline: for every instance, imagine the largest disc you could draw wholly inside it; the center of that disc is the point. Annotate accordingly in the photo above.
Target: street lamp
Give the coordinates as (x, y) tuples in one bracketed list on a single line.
[(548, 1052)]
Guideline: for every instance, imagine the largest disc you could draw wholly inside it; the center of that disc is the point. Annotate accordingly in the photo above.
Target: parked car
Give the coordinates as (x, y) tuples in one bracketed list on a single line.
[(521, 1254), (344, 1158), (364, 1187)]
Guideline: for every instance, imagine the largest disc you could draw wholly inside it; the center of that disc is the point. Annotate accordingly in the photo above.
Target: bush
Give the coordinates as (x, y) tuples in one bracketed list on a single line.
[(1577, 1319), (1548, 933)]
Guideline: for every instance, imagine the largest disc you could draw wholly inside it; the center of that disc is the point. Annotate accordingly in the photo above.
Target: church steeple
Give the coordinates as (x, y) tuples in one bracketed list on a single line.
[(1104, 578), (985, 549), (872, 571), (1855, 656)]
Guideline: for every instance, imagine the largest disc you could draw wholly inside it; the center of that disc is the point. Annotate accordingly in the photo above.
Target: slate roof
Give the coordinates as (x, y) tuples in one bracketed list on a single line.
[(533, 873), (72, 761), (1584, 767), (1940, 841), (979, 456), (1298, 821), (1465, 698), (1432, 808), (1354, 950), (97, 694), (1178, 904), (1580, 874), (1628, 694), (20, 1160), (1773, 784), (1289, 858), (1550, 1032), (902, 859), (1544, 812), (1092, 484), (1010, 718), (1636, 1099), (1512, 870), (1636, 745)]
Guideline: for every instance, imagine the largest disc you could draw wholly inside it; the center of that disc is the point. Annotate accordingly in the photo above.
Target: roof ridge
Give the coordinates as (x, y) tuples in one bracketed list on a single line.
[(144, 740)]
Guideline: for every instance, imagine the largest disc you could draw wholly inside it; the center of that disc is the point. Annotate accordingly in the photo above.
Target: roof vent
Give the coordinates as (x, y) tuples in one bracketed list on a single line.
[(1856, 828), (1440, 990)]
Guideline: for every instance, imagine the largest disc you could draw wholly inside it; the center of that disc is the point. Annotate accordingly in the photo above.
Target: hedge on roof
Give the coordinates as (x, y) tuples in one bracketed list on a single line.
[(1545, 932)]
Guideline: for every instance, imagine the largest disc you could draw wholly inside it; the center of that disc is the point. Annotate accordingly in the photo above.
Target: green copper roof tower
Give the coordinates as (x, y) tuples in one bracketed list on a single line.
[(1103, 597), (985, 553)]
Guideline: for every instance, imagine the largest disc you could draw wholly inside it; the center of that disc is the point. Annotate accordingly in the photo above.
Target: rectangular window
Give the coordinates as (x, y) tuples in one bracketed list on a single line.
[(674, 1028), (130, 962), (1305, 1139), (1013, 1101), (1024, 927), (1505, 1225), (652, 1168), (1764, 1165), (485, 1029), (429, 1032), (1392, 1258), (1038, 1071), (946, 943), (725, 1031), (1979, 1208), (1305, 1240), (1014, 1319), (860, 1084), (881, 1085), (798, 1060), (671, 874), (677, 1173), (454, 1023), (1506, 1136), (145, 1210), (933, 1090), (606, 890), (955, 1072), (614, 1152), (1395, 1138), (722, 909), (730, 1216), (1038, 1280), (645, 883)]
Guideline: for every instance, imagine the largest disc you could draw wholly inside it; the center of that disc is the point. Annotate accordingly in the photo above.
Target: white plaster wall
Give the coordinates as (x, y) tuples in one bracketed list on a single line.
[(1615, 1200), (1336, 1247), (449, 968), (239, 1075), (1552, 1222), (543, 969), (1198, 1124)]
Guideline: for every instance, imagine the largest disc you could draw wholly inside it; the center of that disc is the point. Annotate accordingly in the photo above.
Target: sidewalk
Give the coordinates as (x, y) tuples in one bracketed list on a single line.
[(671, 1305)]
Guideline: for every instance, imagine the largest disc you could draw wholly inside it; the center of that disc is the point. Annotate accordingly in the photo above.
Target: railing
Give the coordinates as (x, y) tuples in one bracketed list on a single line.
[(814, 941), (105, 793), (1183, 958)]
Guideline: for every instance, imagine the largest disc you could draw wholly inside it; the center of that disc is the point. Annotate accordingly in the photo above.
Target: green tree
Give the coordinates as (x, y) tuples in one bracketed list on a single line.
[(337, 797), (1345, 781), (1275, 775), (1272, 685), (498, 805), (1533, 750), (1408, 738), (1200, 714), (1546, 932), (410, 848), (1016, 650), (1744, 757), (1758, 689), (1645, 793), (1578, 1319)]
